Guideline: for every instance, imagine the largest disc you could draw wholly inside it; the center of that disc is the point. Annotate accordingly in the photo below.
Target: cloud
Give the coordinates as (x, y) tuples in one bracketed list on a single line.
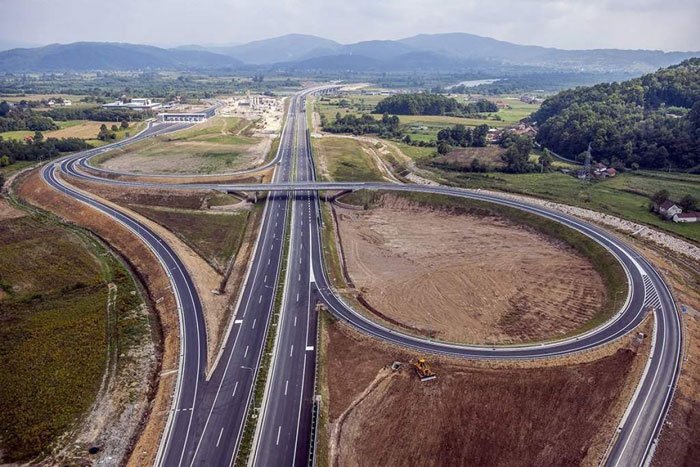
[(656, 24)]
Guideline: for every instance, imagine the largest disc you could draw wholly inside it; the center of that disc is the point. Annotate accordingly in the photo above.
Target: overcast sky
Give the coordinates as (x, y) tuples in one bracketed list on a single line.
[(647, 24)]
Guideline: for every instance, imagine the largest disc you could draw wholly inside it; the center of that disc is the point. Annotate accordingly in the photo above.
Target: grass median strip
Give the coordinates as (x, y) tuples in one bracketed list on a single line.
[(246, 445)]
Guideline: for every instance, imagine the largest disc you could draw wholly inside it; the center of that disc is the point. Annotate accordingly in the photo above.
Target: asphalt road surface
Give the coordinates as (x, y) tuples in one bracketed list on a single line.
[(209, 413)]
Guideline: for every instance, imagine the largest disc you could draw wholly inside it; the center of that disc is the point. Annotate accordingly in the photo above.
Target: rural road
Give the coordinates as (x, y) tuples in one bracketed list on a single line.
[(208, 415)]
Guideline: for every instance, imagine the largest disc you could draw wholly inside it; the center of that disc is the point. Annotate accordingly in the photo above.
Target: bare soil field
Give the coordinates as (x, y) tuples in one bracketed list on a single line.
[(474, 413), (466, 278)]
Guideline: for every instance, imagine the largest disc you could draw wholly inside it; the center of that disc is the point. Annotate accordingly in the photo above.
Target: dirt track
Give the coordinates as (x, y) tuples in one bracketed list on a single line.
[(466, 278)]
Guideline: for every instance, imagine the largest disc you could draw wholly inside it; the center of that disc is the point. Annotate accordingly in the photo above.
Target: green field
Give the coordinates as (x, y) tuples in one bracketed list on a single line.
[(56, 328), (216, 237), (625, 196), (83, 129), (345, 160), (425, 127)]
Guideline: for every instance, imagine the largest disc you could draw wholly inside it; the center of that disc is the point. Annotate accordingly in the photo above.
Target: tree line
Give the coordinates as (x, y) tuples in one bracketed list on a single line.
[(461, 136), (431, 104), (650, 122), (63, 114), (38, 148), (16, 118), (387, 127)]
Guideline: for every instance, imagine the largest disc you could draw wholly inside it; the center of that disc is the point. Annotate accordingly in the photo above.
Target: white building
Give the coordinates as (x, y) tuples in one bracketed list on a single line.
[(135, 104), (685, 217)]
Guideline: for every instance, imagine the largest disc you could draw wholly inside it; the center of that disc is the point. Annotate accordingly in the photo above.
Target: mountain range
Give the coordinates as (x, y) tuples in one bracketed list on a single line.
[(298, 52)]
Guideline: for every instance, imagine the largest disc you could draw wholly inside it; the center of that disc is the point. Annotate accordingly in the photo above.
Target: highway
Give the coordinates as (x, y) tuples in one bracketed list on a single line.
[(209, 414)]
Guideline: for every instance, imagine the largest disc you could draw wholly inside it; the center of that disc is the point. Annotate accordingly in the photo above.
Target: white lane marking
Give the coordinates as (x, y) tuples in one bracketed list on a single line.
[(253, 326), (220, 433), (286, 385), (265, 280), (235, 386), (272, 245), (297, 296), (291, 350), (260, 299), (295, 321), (299, 277), (279, 430), (246, 352), (268, 261)]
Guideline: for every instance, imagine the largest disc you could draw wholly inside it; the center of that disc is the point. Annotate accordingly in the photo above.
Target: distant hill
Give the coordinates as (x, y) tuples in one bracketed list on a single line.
[(83, 56), (7, 44), (460, 50), (279, 49), (299, 52)]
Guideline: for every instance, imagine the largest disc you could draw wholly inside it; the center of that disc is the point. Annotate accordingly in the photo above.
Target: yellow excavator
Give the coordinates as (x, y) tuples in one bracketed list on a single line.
[(423, 370)]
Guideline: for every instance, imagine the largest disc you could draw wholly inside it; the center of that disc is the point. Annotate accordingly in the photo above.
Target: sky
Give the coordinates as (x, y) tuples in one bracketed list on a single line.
[(570, 24)]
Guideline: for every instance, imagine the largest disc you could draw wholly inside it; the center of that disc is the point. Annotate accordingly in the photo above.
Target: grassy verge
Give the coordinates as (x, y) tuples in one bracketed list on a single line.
[(345, 160), (246, 446), (273, 149), (216, 237), (58, 331), (323, 441), (330, 248), (625, 196)]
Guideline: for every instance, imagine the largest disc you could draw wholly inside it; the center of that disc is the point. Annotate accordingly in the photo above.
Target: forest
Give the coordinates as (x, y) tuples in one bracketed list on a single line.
[(431, 104), (651, 122)]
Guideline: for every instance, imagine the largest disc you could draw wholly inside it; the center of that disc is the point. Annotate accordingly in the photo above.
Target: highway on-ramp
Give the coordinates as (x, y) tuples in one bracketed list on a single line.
[(208, 414)]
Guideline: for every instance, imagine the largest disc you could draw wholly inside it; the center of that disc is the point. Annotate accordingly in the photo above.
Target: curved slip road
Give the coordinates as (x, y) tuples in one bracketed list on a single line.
[(283, 434)]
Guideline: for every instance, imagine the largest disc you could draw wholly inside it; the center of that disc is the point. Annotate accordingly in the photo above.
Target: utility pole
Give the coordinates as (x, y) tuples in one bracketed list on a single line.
[(587, 164)]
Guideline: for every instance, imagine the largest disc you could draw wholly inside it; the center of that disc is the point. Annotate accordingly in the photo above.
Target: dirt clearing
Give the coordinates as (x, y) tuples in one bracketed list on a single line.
[(474, 413), (466, 278), (217, 146)]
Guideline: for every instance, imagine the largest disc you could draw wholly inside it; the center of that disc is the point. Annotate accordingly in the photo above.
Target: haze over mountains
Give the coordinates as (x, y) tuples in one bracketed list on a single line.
[(297, 52)]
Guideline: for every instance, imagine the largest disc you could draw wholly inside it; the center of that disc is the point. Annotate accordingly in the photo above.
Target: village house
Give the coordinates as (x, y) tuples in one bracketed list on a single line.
[(668, 209)]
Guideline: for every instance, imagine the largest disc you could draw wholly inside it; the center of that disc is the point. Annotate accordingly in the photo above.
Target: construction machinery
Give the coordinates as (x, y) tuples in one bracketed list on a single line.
[(423, 370)]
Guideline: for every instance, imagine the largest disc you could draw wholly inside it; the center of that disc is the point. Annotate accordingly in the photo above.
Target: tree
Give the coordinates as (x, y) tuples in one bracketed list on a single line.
[(2, 180), (38, 137), (124, 124), (443, 147), (688, 203), (660, 197), (517, 155), (480, 134), (4, 161), (4, 108), (546, 160), (115, 128), (104, 133)]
